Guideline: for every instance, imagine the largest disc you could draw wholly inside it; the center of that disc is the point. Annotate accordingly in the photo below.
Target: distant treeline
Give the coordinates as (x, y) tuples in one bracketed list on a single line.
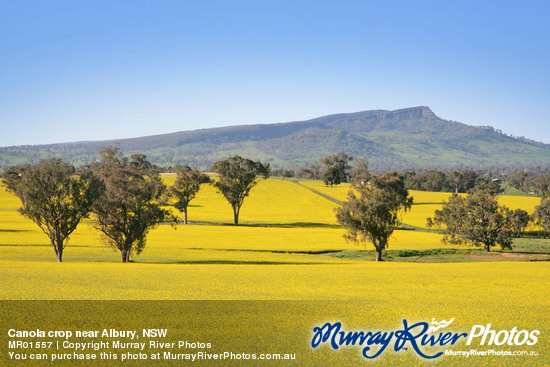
[(534, 180), (455, 181), (338, 168)]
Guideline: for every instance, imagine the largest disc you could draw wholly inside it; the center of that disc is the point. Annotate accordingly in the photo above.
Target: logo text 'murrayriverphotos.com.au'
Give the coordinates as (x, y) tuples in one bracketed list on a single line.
[(419, 336)]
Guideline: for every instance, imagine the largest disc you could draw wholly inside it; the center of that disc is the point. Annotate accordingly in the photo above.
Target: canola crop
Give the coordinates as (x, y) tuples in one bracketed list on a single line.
[(279, 253), (283, 224), (278, 216), (449, 282), (425, 203), (270, 202)]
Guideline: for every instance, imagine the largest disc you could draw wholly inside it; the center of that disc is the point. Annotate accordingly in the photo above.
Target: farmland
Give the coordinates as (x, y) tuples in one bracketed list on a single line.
[(282, 222), (287, 248)]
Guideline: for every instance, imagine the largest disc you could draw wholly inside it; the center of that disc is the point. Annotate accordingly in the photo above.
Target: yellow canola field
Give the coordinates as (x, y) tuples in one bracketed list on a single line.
[(338, 192), (453, 284), (527, 203), (272, 258), (307, 217), (193, 243), (425, 203), (364, 296), (272, 201)]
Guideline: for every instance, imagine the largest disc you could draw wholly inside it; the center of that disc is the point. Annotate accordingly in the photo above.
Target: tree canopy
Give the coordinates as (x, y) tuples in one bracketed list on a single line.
[(372, 211), (129, 208), (455, 181), (337, 168), (187, 185), (332, 176), (54, 197), (476, 220), (542, 214), (538, 185), (237, 177), (311, 171), (360, 172)]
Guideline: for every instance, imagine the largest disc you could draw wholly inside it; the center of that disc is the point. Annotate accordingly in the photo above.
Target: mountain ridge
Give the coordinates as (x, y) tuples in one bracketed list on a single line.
[(399, 139)]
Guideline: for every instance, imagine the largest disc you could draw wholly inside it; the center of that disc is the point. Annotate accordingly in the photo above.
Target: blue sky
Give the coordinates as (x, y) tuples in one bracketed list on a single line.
[(95, 70)]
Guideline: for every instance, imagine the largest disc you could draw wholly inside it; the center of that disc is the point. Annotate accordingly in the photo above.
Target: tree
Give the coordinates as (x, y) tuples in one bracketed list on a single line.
[(519, 220), (541, 185), (53, 197), (187, 185), (280, 172), (312, 172), (462, 181), (434, 181), (476, 219), (360, 172), (237, 177), (373, 215), (331, 176), (129, 208), (542, 214), (519, 181), (339, 162)]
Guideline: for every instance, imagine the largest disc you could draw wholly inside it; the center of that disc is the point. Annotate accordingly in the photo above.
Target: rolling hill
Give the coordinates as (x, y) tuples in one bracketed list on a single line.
[(401, 139)]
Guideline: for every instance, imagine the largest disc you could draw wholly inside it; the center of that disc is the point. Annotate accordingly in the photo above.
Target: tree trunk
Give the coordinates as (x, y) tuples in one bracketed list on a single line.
[(124, 255), (379, 254), (59, 254), (185, 216), (487, 248), (236, 217), (58, 248)]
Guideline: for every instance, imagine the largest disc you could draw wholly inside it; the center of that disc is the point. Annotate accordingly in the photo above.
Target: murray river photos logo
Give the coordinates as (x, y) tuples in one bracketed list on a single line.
[(419, 337)]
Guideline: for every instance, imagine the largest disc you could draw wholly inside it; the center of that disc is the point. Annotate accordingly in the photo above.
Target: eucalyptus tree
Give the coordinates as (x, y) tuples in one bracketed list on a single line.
[(54, 196), (187, 185), (337, 164), (477, 220), (237, 176), (129, 208), (541, 215), (372, 211)]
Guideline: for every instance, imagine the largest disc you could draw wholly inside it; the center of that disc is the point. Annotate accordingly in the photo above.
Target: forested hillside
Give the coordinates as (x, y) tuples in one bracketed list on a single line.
[(401, 139)]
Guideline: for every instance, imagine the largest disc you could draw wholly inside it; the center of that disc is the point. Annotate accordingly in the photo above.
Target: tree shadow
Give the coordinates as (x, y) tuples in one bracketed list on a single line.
[(313, 252), (234, 262), (271, 225), (189, 206)]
